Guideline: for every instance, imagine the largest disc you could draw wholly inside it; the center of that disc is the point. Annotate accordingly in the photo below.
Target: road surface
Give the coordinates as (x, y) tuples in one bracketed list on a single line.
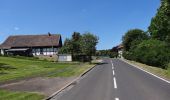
[(117, 80)]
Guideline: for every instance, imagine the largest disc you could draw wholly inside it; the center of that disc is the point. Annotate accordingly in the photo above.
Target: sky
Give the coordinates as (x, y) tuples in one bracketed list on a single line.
[(107, 19)]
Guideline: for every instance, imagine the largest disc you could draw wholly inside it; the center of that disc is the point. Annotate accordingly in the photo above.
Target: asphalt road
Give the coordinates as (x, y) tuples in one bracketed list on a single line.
[(117, 80)]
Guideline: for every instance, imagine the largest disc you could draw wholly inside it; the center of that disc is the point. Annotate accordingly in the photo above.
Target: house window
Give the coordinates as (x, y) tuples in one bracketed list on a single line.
[(38, 50), (55, 49), (41, 51), (44, 49)]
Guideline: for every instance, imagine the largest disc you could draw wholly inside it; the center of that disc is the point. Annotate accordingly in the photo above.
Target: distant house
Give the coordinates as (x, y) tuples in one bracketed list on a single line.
[(118, 49), (31, 45)]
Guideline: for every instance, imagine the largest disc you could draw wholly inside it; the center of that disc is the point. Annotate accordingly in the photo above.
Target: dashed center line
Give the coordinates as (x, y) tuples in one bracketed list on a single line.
[(116, 98), (113, 72), (114, 78), (115, 84)]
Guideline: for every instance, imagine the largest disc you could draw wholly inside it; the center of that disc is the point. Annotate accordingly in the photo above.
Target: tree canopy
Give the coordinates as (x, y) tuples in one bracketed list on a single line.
[(160, 24), (84, 44), (132, 38)]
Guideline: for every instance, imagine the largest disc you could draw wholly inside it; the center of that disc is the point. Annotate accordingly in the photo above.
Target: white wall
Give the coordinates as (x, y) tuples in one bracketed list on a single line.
[(2, 52), (65, 58), (46, 51)]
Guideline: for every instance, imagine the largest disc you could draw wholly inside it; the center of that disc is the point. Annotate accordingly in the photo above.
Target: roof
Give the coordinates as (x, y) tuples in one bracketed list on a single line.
[(32, 41), (118, 47)]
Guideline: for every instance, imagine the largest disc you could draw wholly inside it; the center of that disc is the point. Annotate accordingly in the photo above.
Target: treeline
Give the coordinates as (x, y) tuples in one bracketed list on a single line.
[(81, 46), (151, 47), (107, 53)]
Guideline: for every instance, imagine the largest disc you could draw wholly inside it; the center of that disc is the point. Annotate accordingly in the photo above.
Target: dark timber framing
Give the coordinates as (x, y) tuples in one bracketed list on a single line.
[(32, 45)]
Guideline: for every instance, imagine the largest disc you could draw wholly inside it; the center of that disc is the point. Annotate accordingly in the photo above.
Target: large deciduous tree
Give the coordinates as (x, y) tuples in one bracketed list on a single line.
[(133, 38), (67, 47), (80, 45), (88, 44), (76, 38), (160, 24)]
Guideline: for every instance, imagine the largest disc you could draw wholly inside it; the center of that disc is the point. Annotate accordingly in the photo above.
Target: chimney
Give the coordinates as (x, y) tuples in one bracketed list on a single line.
[(49, 34)]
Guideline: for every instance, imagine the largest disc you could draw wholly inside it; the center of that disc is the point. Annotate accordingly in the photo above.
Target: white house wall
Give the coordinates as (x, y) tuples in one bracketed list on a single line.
[(46, 51), (2, 52)]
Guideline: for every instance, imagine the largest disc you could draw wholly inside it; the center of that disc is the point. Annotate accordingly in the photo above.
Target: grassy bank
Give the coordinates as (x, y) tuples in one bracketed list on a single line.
[(7, 95), (155, 70), (15, 68), (20, 68), (72, 71)]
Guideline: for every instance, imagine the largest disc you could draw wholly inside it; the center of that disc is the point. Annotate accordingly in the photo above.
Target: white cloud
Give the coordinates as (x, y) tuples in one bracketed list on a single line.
[(16, 28)]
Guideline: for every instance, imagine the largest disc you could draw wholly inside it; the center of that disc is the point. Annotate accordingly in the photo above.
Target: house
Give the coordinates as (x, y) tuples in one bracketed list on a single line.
[(31, 45), (118, 49)]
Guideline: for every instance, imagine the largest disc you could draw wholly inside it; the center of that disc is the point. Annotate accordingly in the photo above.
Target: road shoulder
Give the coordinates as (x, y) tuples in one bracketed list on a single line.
[(156, 72)]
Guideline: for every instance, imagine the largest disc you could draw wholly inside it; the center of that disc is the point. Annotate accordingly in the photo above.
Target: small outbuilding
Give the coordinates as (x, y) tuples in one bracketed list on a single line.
[(64, 57)]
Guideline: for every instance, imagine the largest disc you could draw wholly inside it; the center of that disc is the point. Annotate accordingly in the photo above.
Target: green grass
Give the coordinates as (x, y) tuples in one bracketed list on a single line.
[(8, 95), (155, 70), (72, 71), (19, 68), (22, 68)]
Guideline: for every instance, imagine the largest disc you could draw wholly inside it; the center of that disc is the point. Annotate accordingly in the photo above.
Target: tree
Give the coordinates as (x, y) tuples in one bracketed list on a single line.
[(80, 46), (107, 53), (132, 38), (67, 47), (88, 44), (152, 52), (76, 38), (160, 24)]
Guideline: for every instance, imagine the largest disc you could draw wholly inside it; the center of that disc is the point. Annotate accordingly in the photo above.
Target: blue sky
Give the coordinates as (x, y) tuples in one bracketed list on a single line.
[(108, 19)]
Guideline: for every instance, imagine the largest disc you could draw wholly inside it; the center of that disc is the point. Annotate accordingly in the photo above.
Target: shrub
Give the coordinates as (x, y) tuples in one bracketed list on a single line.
[(152, 52)]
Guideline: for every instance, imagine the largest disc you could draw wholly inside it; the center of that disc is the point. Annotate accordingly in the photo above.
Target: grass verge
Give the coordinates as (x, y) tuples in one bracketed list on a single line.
[(14, 68), (8, 95), (155, 70), (72, 70)]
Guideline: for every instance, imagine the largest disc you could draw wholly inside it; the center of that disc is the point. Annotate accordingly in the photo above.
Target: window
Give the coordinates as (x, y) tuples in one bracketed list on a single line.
[(55, 49), (44, 49), (38, 50)]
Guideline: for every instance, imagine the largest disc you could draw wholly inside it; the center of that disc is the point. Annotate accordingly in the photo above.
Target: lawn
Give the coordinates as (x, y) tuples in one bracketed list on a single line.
[(20, 68), (72, 71), (7, 95), (14, 68)]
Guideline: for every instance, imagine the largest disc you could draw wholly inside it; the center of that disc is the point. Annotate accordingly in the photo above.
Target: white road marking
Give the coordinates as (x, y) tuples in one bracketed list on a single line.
[(115, 84), (114, 78), (113, 72), (112, 65), (146, 71), (116, 98)]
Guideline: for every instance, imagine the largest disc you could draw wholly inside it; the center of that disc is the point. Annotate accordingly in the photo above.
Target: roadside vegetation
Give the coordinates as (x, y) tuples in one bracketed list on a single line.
[(107, 53), (81, 46), (16, 68), (8, 95), (20, 68), (153, 46)]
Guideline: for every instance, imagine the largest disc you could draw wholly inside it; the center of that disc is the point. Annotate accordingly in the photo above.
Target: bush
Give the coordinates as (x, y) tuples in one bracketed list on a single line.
[(152, 52)]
